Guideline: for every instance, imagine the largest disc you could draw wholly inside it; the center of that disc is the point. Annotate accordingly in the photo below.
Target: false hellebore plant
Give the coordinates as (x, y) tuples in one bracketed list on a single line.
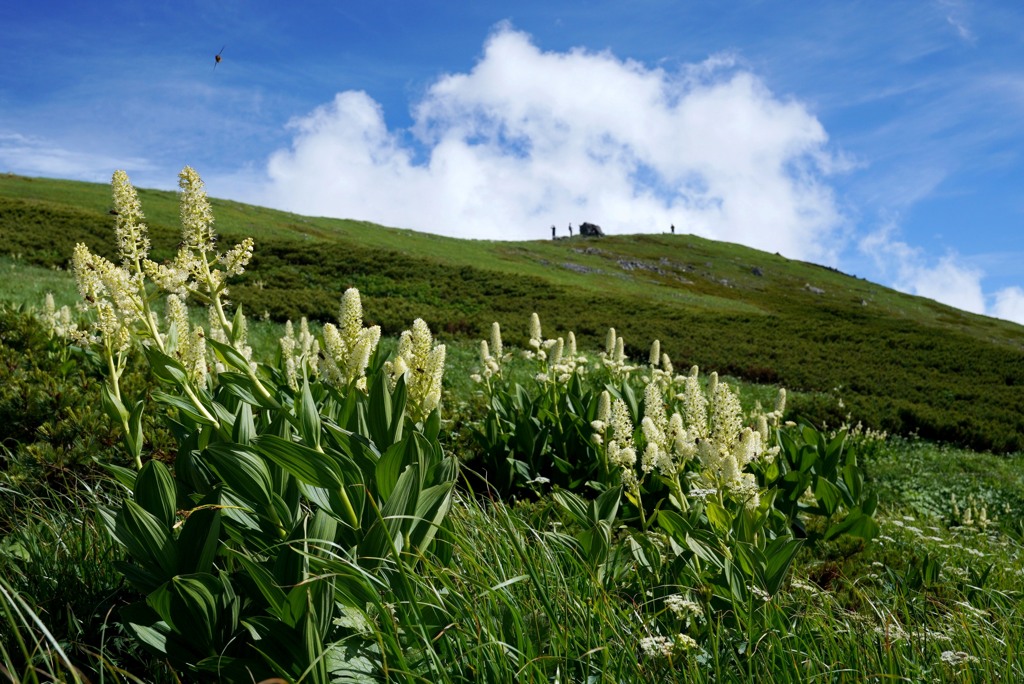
[(717, 500), (299, 492)]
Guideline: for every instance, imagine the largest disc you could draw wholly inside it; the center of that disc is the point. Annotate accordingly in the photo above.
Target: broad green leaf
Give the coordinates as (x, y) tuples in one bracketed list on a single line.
[(228, 355), (575, 505), (606, 506), (134, 435), (749, 559), (735, 581), (112, 406), (189, 605), (241, 470), (595, 542), (316, 660), (644, 552), (853, 478), (199, 540), (155, 491), (166, 368), (719, 518), (242, 386), (323, 530), (309, 417), (856, 524), (707, 546), (870, 503), (433, 425), (184, 405), (237, 325), (141, 579), (379, 416), (146, 538), (431, 508), (828, 496), (153, 636), (674, 525), (385, 536), (808, 458), (391, 464), (125, 476), (264, 581), (244, 429), (779, 556), (308, 465)]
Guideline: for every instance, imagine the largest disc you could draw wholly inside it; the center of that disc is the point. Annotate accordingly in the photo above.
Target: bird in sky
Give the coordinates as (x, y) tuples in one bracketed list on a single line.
[(217, 58)]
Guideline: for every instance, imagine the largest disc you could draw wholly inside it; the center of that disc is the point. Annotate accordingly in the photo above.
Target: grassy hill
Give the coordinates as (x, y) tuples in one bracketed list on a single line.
[(897, 362)]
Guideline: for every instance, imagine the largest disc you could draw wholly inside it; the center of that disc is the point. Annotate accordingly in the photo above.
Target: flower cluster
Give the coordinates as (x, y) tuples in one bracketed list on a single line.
[(59, 322), (621, 451), (492, 358), (706, 429), (116, 294), (121, 301), (669, 445), (614, 356), (665, 647), (726, 447), (348, 346), (185, 342), (421, 362), (662, 372), (558, 359), (113, 295), (132, 236), (298, 352), (683, 608)]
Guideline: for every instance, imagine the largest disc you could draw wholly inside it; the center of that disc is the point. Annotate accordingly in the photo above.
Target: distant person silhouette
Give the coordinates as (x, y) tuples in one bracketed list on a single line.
[(552, 231), (570, 230), (673, 228)]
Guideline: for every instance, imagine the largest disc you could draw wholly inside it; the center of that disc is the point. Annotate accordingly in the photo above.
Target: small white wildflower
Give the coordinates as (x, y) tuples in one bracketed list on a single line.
[(656, 646), (684, 642), (237, 258), (759, 593), (682, 607), (957, 658), (699, 493)]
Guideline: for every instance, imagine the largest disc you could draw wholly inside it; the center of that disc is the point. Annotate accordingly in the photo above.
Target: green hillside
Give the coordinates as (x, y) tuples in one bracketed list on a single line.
[(897, 362)]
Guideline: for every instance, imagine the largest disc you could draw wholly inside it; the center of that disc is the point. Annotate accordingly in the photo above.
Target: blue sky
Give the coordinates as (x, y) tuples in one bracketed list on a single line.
[(883, 138)]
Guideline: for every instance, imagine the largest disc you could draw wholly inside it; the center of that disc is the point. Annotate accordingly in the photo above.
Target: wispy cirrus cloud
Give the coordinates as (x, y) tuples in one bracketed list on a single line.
[(36, 156)]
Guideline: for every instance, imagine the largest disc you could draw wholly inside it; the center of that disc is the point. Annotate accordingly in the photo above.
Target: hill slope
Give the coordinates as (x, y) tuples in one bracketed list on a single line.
[(898, 362)]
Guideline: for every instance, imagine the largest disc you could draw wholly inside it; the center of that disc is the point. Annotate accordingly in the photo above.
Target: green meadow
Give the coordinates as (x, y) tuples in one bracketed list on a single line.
[(545, 513)]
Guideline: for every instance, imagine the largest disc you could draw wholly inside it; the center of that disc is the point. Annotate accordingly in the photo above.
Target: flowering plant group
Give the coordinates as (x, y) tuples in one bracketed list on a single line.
[(670, 455), (298, 490)]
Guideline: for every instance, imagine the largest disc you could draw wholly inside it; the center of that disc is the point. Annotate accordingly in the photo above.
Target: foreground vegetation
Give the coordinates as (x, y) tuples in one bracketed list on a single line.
[(178, 507), (937, 588)]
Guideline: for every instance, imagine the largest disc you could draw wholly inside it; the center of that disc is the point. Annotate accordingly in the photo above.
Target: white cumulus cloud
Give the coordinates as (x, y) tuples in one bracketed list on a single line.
[(1008, 304), (528, 138), (947, 279)]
